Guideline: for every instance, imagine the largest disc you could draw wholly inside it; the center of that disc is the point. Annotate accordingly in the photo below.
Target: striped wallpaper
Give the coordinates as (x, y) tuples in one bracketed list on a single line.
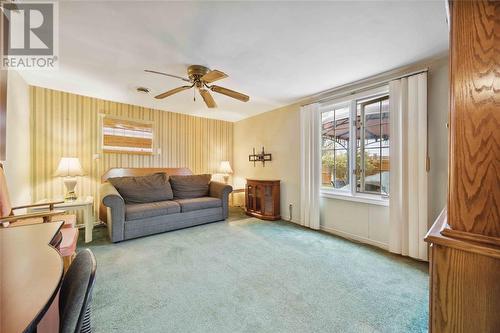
[(65, 124)]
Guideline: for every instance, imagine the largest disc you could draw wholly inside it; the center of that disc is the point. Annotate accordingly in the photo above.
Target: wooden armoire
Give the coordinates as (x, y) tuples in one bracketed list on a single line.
[(465, 239)]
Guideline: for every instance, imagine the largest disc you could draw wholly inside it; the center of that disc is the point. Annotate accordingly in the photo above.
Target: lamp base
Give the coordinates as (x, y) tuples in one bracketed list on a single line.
[(226, 179), (70, 196), (70, 183)]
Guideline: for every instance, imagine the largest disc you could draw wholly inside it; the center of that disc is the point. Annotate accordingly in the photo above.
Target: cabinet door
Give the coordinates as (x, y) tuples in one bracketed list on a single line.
[(250, 197), (267, 200), (258, 197)]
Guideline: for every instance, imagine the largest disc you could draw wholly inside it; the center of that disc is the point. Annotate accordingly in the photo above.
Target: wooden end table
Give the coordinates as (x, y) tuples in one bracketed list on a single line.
[(236, 190), (84, 204)]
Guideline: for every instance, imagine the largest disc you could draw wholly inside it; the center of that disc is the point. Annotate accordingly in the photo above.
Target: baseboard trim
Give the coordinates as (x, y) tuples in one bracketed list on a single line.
[(355, 238), (292, 221)]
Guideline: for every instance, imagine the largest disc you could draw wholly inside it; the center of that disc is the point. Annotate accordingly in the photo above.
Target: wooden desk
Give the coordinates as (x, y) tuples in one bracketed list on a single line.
[(30, 275)]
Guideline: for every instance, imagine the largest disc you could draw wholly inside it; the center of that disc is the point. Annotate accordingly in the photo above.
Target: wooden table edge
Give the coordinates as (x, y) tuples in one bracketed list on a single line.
[(43, 311)]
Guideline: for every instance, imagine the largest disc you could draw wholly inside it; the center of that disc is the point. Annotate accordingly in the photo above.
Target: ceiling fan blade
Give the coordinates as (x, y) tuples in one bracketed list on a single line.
[(230, 93), (207, 97), (213, 75), (173, 91), (174, 76)]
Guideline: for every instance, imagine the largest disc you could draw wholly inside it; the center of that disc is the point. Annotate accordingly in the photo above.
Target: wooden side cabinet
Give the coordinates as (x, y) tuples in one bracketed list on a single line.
[(465, 239), (262, 199), (464, 282)]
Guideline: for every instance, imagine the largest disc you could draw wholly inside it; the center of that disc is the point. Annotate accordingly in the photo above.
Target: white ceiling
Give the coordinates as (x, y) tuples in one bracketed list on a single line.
[(276, 52)]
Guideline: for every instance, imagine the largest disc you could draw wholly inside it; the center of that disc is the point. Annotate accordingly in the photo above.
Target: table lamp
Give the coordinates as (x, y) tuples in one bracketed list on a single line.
[(69, 168), (225, 169)]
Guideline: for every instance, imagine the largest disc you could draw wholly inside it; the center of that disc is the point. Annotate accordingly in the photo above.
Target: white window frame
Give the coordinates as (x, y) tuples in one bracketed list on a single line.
[(353, 195)]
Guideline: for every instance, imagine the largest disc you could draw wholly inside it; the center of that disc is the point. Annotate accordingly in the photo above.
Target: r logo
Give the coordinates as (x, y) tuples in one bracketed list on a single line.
[(28, 29)]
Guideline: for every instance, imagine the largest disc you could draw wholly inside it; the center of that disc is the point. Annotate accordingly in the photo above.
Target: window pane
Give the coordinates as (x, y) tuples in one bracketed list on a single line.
[(384, 169), (335, 169), (385, 105), (372, 109), (327, 159), (341, 169), (384, 123), (372, 136), (335, 143), (372, 169), (328, 142), (342, 128), (372, 155), (372, 124), (328, 129)]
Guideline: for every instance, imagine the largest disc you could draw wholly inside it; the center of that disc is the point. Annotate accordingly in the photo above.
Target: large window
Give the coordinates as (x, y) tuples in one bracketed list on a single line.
[(355, 145)]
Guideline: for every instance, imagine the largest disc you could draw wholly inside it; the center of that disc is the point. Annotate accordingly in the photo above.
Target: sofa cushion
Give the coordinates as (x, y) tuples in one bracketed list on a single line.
[(151, 209), (150, 188), (188, 205), (192, 186)]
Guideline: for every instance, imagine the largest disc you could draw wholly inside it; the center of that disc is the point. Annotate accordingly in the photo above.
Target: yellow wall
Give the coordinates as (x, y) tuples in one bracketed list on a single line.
[(17, 164), (278, 131), (64, 124)]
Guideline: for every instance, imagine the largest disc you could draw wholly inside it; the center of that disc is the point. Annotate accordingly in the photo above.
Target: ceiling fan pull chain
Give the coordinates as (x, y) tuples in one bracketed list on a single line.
[(194, 95)]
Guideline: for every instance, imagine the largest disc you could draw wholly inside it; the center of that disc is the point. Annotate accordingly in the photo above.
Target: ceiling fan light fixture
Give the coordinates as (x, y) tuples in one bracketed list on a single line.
[(199, 77)]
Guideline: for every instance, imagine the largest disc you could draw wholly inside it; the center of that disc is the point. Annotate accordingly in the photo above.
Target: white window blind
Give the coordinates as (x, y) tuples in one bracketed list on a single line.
[(127, 136)]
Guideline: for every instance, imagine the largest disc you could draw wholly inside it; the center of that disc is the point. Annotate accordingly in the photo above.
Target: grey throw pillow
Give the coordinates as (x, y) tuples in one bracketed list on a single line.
[(193, 186), (150, 188)]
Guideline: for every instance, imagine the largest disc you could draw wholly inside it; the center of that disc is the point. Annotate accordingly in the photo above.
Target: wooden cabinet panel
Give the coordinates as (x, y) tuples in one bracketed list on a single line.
[(262, 199), (464, 283), (474, 190), (466, 292)]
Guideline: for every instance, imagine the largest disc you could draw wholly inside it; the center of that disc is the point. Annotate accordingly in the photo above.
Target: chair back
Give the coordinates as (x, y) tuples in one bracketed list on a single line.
[(76, 294), (5, 205)]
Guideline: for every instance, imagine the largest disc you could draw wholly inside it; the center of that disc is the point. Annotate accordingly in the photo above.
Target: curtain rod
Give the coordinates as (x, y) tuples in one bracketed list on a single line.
[(332, 95)]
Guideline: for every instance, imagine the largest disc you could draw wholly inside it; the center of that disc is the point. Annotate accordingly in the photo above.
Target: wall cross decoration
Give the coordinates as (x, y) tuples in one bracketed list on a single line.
[(262, 157)]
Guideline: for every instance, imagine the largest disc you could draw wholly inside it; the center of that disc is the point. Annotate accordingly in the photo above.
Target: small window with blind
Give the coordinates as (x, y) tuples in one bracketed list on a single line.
[(127, 136)]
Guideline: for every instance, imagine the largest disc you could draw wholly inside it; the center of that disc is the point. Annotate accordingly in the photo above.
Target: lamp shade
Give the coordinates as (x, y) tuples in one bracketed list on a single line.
[(69, 167), (225, 167)]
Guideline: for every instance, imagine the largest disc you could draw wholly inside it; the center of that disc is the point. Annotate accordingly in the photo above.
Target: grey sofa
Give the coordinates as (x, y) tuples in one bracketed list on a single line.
[(126, 220)]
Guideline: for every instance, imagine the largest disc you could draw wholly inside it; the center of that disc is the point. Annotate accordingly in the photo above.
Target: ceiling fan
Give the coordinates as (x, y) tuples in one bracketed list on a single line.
[(199, 78)]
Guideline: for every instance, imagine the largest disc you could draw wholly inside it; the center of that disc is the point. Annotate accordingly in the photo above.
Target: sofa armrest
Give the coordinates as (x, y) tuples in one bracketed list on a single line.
[(221, 191), (115, 211)]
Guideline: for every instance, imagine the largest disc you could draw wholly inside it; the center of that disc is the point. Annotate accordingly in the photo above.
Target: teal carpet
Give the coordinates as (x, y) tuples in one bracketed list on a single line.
[(248, 275)]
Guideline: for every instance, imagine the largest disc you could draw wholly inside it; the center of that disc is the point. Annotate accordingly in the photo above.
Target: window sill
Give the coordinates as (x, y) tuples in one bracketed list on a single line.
[(363, 198)]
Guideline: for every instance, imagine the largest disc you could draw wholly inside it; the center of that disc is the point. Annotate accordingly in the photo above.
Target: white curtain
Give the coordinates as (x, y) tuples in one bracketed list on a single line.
[(310, 165), (408, 158)]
